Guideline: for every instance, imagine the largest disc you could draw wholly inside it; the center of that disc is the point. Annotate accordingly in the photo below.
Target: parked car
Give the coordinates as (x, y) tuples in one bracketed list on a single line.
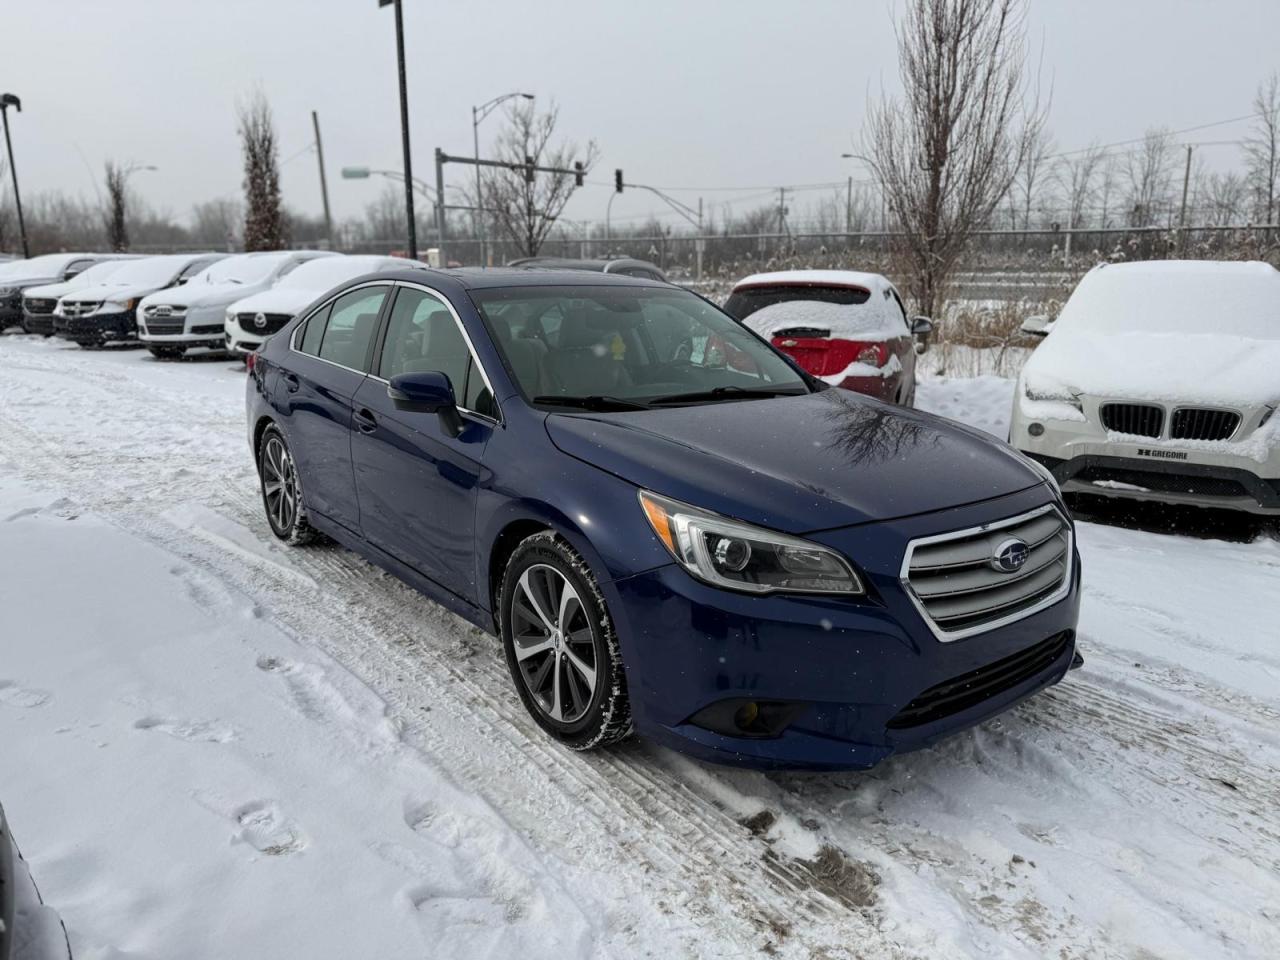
[(17, 275), (252, 321), (29, 930), (107, 312), (850, 329), (1159, 382), (740, 562), (625, 266), (39, 303), (192, 316)]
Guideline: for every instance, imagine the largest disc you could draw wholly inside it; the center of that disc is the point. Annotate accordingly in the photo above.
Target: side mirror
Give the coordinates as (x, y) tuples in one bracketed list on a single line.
[(427, 393), (1037, 326), (921, 326)]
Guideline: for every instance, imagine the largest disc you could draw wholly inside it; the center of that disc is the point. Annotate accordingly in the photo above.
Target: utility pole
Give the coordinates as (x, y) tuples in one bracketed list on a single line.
[(324, 186), (404, 129), (848, 209), (8, 100), (440, 162), (1186, 180)]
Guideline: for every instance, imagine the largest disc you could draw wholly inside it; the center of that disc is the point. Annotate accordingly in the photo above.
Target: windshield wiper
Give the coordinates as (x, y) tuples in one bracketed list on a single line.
[(593, 402), (725, 393)]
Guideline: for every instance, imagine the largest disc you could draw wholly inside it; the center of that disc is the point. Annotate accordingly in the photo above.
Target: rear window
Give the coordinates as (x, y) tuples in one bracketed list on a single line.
[(742, 303)]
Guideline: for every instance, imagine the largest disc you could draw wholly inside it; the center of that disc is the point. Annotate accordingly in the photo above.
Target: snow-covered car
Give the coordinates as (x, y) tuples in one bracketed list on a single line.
[(1158, 381), (29, 930), (249, 322), (107, 312), (17, 275), (39, 303), (848, 328), (172, 321)]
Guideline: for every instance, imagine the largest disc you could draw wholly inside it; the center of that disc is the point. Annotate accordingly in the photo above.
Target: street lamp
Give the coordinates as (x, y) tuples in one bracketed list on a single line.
[(364, 173), (477, 115), (8, 100)]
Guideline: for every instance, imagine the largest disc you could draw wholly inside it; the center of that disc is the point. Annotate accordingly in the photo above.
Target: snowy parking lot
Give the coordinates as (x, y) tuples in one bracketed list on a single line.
[(213, 746)]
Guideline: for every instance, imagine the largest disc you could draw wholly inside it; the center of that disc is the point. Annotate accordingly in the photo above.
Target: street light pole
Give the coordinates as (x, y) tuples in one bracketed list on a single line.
[(404, 129), (477, 115), (8, 100)]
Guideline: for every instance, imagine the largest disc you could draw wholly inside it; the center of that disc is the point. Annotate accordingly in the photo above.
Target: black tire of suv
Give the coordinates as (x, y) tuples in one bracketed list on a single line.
[(297, 531), (607, 719), (167, 353)]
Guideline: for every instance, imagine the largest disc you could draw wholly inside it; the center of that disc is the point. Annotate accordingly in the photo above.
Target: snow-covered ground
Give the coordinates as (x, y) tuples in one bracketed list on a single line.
[(212, 746)]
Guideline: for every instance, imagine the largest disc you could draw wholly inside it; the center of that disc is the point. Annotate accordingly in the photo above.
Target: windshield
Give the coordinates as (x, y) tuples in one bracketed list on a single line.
[(98, 273), (638, 345), (243, 269), (153, 271), (1176, 297), (328, 272), (49, 265)]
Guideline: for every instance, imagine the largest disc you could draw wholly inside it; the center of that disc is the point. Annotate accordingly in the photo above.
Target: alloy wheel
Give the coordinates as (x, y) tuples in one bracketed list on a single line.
[(279, 484), (554, 643)]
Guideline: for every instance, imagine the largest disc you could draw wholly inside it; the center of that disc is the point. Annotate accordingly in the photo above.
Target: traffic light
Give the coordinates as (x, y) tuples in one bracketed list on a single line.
[(528, 168), (617, 180), (577, 176)]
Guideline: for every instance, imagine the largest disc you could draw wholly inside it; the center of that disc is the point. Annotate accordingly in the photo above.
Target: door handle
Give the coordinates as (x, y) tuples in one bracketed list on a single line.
[(291, 383), (365, 422)]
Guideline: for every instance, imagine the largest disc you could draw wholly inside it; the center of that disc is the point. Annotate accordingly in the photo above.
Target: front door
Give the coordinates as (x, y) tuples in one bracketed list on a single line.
[(417, 485)]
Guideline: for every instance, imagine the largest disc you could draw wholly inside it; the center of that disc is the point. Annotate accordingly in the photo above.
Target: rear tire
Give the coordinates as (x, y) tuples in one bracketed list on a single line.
[(282, 491), (561, 646)]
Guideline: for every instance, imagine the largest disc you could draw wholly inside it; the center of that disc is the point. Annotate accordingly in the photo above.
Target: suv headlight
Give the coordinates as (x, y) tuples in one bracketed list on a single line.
[(727, 553), (1072, 400)]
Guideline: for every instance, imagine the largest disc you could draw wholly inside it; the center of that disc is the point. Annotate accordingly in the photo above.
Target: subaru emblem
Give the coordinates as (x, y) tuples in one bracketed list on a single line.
[(1009, 555), (260, 320)]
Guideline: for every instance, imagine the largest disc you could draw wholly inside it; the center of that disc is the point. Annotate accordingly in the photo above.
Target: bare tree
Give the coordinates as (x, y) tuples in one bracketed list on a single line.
[(1262, 148), (1077, 176), (264, 221), (1225, 198), (1032, 174), (946, 155), (1149, 170), (113, 216), (523, 204), (216, 222)]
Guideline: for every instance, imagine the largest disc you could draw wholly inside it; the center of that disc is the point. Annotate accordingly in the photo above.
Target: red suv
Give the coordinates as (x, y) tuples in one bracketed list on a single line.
[(848, 328)]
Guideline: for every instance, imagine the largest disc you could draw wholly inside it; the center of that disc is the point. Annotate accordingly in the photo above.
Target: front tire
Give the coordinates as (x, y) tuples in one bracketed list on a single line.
[(167, 353), (282, 491), (561, 646)]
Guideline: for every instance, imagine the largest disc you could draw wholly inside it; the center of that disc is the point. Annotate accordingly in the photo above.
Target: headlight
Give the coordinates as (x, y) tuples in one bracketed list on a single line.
[(1067, 398), (229, 316), (730, 554)]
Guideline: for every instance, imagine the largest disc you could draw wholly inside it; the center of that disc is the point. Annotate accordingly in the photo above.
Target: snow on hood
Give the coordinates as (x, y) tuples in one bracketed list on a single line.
[(276, 300), (95, 275), (203, 295), (1180, 331), (110, 291), (859, 321)]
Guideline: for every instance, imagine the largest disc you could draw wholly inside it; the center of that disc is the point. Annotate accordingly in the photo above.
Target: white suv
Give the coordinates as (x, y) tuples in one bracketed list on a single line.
[(1158, 381), (173, 321)]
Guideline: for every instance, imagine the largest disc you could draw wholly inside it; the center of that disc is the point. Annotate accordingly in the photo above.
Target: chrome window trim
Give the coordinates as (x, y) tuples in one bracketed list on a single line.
[(389, 284), (947, 636)]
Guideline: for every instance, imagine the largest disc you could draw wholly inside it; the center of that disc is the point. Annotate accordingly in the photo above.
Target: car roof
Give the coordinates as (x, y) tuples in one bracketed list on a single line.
[(476, 278), (811, 278)]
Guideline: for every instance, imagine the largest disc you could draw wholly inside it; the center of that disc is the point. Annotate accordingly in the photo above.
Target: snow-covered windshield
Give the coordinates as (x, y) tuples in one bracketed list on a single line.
[(98, 273), (815, 318), (49, 265), (328, 272), (1176, 297), (156, 271), (242, 269)]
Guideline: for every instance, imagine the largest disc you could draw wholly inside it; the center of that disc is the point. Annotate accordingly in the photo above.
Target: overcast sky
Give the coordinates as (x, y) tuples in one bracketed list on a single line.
[(747, 94)]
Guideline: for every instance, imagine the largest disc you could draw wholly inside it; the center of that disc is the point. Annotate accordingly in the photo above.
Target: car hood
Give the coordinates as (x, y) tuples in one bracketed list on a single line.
[(278, 300), (49, 291), (798, 464), (1209, 368), (22, 283), (110, 291), (204, 294)]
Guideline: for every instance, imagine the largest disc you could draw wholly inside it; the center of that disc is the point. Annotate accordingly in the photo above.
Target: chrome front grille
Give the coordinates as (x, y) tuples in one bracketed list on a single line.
[(1136, 419), (79, 308), (961, 588), (37, 306), (1203, 423), (271, 322)]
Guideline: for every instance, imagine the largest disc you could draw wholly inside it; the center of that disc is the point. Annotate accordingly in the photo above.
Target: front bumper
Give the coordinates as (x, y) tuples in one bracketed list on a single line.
[(849, 668), (181, 333), (40, 323), (100, 328), (10, 312), (240, 341)]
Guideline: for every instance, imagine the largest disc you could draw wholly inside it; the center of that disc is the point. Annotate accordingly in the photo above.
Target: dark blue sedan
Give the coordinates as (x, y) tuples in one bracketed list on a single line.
[(672, 527)]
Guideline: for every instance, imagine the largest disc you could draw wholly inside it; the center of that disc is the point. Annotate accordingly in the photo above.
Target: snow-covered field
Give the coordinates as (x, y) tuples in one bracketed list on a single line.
[(212, 746)]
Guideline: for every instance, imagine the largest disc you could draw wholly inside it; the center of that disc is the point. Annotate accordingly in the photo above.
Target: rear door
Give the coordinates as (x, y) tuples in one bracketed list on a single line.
[(417, 484), (328, 360)]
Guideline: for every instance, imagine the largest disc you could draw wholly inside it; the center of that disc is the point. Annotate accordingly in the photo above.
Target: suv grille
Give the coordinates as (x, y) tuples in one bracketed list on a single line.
[(79, 308), (273, 322), (962, 589), (1137, 419), (36, 306), (1201, 423), (165, 328), (970, 689)]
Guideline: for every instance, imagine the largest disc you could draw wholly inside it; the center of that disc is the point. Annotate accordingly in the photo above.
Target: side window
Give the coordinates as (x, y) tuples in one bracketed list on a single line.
[(191, 269), (353, 320), (76, 267), (422, 337), (313, 332)]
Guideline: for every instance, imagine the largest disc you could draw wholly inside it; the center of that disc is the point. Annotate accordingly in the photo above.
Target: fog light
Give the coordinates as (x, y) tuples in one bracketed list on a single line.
[(745, 716), (1035, 429)]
